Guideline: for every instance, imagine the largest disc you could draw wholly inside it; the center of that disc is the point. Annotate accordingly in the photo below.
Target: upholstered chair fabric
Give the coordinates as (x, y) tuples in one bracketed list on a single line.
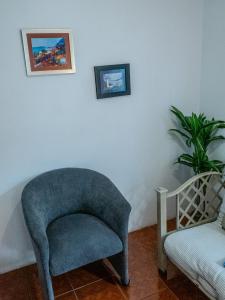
[(75, 217)]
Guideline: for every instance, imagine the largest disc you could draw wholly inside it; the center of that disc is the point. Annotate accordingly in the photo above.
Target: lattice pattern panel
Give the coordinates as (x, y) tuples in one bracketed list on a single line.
[(199, 201)]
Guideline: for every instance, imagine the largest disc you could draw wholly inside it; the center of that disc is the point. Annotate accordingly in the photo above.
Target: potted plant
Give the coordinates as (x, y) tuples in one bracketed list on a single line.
[(198, 133)]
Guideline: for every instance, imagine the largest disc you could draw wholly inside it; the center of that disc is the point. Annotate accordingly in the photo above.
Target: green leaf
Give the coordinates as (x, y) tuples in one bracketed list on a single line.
[(180, 117), (186, 157), (219, 124), (216, 138), (182, 162), (180, 132), (198, 133)]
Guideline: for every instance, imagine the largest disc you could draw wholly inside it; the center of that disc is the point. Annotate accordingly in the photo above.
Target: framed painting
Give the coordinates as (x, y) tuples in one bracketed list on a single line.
[(112, 80), (48, 51)]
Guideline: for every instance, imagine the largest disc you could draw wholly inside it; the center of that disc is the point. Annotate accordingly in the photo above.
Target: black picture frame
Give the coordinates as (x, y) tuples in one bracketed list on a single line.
[(121, 85)]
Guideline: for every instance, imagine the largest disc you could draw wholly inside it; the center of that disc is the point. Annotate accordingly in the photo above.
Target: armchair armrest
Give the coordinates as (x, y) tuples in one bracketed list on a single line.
[(116, 214), (40, 239), (36, 225)]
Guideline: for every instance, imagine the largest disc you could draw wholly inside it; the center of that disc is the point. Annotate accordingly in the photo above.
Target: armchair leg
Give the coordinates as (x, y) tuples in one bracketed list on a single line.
[(125, 283), (44, 276), (120, 263), (162, 263), (46, 284), (163, 274)]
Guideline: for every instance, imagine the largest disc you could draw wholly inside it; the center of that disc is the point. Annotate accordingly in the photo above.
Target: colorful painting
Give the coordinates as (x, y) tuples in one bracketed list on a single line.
[(113, 80), (48, 52)]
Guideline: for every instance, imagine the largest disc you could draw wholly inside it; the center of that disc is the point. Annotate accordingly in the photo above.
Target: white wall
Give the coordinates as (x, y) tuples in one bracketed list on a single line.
[(55, 121), (213, 65)]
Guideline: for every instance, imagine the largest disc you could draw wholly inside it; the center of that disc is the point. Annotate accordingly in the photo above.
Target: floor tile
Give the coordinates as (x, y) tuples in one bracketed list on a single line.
[(102, 290), (60, 283), (87, 274), (162, 295), (146, 238), (67, 296), (138, 250), (142, 268), (171, 224), (183, 288), (142, 287), (142, 260), (144, 235), (33, 282), (13, 286), (173, 272), (201, 296)]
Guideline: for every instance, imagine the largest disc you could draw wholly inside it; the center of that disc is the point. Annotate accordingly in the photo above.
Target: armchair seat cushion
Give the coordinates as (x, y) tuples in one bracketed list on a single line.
[(78, 239)]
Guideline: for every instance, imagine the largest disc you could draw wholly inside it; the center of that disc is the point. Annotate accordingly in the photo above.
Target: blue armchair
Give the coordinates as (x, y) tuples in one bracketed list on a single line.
[(75, 217)]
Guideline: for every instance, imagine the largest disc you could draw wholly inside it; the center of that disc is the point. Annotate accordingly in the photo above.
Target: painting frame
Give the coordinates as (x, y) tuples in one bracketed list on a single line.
[(120, 80), (66, 63)]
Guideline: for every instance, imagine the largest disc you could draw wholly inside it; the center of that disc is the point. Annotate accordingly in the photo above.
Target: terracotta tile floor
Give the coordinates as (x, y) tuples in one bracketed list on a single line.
[(96, 281)]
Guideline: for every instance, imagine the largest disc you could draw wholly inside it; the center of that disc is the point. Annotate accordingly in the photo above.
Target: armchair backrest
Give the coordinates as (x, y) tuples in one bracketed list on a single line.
[(198, 199), (64, 191)]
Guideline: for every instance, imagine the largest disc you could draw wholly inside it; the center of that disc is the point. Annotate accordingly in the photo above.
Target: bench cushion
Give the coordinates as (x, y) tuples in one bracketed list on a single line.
[(79, 239), (200, 251)]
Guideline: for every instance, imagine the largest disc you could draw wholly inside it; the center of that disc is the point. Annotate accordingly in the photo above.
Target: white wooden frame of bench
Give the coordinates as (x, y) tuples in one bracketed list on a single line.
[(197, 202)]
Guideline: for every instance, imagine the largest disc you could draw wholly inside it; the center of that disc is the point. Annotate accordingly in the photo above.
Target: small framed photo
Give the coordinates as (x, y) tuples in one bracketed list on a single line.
[(112, 80), (48, 51)]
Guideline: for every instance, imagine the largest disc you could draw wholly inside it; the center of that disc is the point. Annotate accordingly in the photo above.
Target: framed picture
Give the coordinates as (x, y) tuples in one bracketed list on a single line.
[(112, 80), (48, 51)]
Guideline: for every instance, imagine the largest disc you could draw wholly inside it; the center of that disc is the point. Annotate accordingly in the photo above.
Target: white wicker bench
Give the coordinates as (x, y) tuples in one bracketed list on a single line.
[(197, 245)]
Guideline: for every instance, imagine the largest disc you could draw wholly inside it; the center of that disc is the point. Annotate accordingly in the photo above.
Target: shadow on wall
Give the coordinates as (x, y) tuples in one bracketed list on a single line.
[(182, 173), (143, 197), (16, 248)]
